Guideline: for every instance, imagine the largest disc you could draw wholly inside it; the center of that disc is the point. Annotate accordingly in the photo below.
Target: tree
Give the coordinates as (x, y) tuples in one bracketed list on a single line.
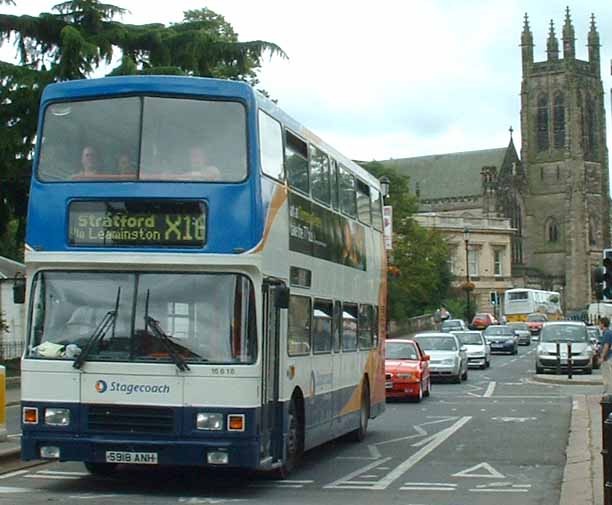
[(420, 254), (81, 37)]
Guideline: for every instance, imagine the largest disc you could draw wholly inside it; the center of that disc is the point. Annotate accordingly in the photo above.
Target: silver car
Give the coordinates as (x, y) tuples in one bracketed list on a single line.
[(564, 333), (522, 332), (478, 350), (448, 358)]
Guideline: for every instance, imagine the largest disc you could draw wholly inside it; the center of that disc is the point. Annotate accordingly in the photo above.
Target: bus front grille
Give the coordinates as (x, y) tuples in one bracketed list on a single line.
[(129, 419)]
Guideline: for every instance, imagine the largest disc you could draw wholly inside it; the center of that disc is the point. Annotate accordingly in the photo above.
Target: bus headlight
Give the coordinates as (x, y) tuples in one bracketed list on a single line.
[(57, 417), (209, 421)]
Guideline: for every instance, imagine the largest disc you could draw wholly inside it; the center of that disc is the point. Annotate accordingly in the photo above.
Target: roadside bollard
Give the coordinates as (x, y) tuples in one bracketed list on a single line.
[(558, 358), (3, 432), (569, 360), (606, 450)]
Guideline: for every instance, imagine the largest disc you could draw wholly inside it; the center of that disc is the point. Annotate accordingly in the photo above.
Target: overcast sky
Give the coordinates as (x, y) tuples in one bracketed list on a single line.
[(393, 79)]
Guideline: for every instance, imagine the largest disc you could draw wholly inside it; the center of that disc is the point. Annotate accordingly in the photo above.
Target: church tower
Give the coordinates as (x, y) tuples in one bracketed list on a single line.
[(565, 158)]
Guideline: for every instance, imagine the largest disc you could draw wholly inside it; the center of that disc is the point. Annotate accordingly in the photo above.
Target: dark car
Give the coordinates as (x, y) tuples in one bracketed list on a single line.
[(523, 332), (501, 338)]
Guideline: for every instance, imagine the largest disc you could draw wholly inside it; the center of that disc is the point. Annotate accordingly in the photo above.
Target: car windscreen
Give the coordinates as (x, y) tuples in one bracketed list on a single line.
[(400, 350), (470, 338), (563, 333), (536, 318), (498, 330), (519, 326), (437, 343)]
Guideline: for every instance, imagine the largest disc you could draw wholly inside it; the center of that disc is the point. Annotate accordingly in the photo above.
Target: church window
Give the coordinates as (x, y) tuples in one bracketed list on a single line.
[(592, 234), (542, 123), (590, 128), (552, 230), (559, 120)]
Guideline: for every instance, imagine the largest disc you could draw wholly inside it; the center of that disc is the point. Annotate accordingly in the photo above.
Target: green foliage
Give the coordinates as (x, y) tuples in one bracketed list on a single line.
[(421, 254), (74, 41)]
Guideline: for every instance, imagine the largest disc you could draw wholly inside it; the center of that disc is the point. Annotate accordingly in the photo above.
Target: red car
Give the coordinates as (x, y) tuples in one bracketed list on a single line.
[(406, 370), (482, 320), (535, 322)]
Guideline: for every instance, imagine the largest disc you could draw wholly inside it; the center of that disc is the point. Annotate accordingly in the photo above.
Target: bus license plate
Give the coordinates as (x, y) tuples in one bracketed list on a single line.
[(136, 458)]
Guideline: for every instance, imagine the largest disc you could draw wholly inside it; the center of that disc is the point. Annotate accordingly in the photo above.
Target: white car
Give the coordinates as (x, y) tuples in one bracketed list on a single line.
[(478, 350), (564, 333)]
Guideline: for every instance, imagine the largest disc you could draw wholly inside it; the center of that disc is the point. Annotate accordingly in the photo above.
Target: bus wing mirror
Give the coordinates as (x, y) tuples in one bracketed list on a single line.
[(19, 289), (281, 295)]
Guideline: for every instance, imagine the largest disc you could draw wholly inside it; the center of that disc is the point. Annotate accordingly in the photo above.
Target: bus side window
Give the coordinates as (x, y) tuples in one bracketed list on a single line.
[(349, 327), (334, 185), (363, 203), (296, 162), (337, 325), (365, 327), (271, 146), (348, 204), (298, 336), (322, 326), (319, 174), (377, 217)]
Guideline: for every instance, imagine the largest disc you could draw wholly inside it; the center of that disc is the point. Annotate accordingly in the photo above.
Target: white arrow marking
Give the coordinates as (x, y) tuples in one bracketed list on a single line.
[(489, 392), (469, 472)]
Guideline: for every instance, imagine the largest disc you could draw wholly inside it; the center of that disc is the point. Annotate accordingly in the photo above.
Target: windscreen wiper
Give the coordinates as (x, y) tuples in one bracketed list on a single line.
[(157, 330), (98, 334)]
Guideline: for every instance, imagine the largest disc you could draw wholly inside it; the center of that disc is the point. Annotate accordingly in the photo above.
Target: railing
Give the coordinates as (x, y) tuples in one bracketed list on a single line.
[(412, 325)]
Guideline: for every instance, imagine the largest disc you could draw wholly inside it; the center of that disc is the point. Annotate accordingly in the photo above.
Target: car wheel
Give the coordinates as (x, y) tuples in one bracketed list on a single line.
[(456, 379), (420, 394), (464, 376), (428, 390), (487, 364)]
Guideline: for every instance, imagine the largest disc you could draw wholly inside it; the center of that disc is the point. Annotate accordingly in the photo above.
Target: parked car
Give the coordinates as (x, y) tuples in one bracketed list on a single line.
[(595, 335), (501, 338), (523, 333), (478, 351), (535, 322), (406, 370), (564, 332), (481, 320), (448, 356), (453, 325)]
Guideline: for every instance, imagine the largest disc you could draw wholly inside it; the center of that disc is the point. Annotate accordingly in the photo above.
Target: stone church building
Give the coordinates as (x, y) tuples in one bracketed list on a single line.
[(556, 195)]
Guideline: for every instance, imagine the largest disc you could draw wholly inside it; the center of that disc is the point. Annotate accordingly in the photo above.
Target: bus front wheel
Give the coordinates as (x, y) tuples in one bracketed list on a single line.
[(101, 469)]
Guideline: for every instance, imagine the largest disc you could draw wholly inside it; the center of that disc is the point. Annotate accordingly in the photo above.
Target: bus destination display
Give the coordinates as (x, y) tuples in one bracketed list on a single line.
[(131, 223)]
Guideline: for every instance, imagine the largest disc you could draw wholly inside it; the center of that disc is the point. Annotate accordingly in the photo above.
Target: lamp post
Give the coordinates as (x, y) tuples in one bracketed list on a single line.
[(467, 287)]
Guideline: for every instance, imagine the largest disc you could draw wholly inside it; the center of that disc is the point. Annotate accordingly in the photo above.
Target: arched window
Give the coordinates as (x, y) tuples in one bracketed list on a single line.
[(559, 120), (590, 128), (552, 230), (542, 123)]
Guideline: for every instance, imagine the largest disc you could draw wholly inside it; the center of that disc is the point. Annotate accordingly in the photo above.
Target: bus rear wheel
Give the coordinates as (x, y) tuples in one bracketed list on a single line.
[(101, 469), (364, 414)]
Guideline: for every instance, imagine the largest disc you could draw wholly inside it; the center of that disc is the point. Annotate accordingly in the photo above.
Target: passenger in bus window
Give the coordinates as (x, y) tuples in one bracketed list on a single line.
[(200, 165), (89, 161), (125, 165)]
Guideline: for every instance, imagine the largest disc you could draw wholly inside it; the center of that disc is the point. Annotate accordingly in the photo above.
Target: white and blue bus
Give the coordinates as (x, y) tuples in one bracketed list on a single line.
[(206, 280)]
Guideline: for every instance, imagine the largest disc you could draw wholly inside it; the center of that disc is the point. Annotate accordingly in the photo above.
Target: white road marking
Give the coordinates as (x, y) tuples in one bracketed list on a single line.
[(522, 490), (429, 484), (276, 485), (426, 488), (208, 501), (13, 474), (514, 419), (491, 473), (489, 392), (94, 496), (9, 490), (57, 477), (14, 435), (406, 465), (58, 472), (345, 481)]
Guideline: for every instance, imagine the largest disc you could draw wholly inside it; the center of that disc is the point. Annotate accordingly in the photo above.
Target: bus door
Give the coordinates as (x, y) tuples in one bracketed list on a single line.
[(276, 297)]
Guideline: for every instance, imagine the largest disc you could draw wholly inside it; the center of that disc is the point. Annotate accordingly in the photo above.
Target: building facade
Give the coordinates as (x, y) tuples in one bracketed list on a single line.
[(556, 196)]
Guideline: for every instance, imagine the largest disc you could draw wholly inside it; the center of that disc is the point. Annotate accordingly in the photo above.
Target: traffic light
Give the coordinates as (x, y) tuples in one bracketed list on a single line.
[(494, 297), (602, 278)]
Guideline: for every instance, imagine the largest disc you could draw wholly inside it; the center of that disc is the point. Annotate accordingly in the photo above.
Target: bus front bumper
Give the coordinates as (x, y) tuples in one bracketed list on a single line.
[(72, 447)]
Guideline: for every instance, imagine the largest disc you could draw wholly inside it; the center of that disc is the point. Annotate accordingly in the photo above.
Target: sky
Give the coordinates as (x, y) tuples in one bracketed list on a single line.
[(392, 79)]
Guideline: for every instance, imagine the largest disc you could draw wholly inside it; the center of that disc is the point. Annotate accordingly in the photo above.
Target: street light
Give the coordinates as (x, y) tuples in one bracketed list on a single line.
[(385, 184), (468, 310)]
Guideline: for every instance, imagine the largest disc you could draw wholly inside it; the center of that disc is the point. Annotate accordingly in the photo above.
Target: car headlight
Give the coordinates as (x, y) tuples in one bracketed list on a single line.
[(209, 421), (57, 417), (405, 376)]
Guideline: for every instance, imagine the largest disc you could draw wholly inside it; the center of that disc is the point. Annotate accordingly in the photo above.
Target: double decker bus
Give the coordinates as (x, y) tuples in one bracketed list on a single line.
[(519, 303), (206, 280)]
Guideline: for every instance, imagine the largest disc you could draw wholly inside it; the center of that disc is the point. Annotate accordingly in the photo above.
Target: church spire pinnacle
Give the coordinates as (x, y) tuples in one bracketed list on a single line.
[(527, 46), (552, 44), (593, 46), (569, 37)]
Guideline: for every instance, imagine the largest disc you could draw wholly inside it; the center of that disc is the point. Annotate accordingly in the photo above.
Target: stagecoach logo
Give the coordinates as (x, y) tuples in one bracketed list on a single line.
[(101, 386)]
